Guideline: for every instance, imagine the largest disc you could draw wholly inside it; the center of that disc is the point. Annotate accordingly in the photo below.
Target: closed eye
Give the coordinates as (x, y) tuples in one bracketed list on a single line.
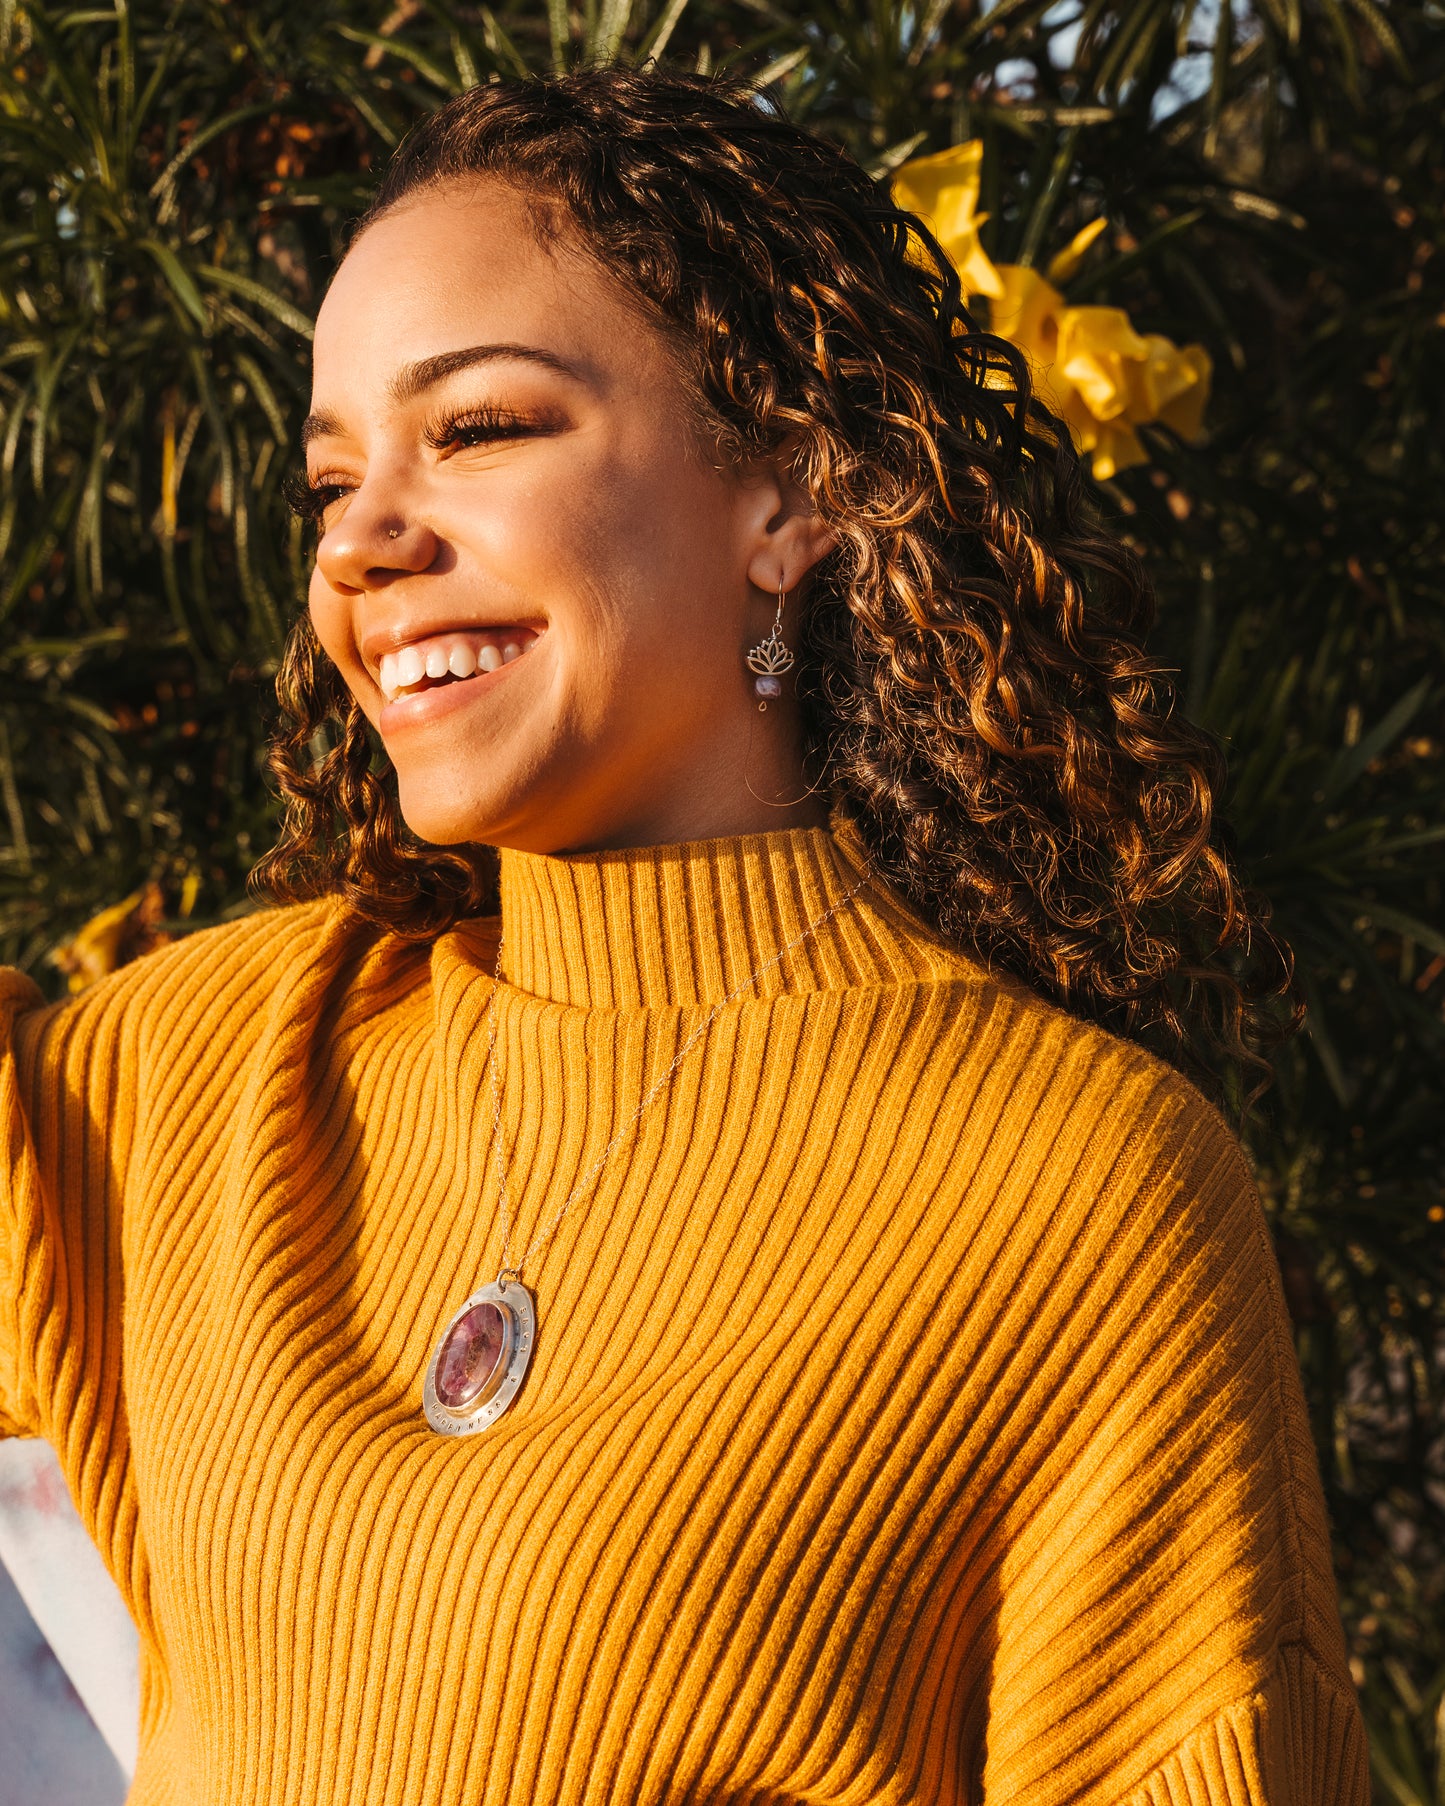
[(456, 432), (310, 497)]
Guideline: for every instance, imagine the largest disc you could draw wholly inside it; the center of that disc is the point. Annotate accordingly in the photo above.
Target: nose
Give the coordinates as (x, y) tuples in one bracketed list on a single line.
[(373, 543)]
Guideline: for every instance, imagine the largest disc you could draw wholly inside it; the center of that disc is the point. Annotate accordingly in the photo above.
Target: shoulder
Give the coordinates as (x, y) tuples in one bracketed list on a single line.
[(1127, 1197), (1086, 1120), (230, 983), (1036, 1045)]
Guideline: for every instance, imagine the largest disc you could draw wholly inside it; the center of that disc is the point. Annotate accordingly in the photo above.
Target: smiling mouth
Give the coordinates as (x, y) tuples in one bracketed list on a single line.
[(451, 658)]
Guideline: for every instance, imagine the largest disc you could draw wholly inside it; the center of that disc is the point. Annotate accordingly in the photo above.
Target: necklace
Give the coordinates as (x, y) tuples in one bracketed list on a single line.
[(483, 1353)]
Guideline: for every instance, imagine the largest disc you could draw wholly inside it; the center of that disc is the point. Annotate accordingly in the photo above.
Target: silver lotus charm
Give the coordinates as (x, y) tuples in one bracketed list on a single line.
[(768, 662)]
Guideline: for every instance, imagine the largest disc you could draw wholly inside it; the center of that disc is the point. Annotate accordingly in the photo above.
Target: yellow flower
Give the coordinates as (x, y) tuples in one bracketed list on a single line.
[(1093, 369), (1101, 376), (943, 191), (1172, 385), (111, 938)]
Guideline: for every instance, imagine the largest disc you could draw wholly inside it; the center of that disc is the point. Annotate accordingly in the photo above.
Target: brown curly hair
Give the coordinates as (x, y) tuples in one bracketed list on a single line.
[(977, 697)]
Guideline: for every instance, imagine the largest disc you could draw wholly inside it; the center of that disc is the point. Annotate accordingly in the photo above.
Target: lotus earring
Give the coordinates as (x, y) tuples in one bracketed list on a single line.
[(770, 660)]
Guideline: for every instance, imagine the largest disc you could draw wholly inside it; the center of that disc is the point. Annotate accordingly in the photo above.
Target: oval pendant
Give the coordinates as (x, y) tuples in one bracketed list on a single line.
[(480, 1359)]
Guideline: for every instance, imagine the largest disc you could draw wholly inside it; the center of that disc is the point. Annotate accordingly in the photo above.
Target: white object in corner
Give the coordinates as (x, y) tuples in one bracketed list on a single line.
[(58, 1572)]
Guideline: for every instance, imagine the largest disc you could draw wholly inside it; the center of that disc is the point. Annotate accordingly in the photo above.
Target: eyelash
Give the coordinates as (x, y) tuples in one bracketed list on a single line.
[(484, 423), (310, 499), (307, 499)]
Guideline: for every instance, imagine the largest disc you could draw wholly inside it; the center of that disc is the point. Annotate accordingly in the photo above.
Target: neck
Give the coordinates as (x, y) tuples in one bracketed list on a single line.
[(746, 780), (694, 820)]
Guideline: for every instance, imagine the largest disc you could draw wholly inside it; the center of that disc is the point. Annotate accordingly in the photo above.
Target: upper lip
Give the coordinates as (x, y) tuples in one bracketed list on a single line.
[(377, 640)]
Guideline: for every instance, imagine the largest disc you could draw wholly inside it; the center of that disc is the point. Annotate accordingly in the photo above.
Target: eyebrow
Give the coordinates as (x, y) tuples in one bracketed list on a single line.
[(415, 379), (319, 426)]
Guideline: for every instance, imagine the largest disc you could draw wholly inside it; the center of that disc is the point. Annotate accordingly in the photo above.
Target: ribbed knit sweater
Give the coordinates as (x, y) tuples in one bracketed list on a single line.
[(914, 1416)]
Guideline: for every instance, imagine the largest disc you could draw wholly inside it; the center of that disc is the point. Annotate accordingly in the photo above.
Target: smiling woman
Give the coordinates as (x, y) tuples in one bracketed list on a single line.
[(542, 482), (885, 1392)]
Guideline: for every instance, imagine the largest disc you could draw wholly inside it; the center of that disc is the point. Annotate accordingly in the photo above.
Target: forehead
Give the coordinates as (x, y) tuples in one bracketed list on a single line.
[(466, 265)]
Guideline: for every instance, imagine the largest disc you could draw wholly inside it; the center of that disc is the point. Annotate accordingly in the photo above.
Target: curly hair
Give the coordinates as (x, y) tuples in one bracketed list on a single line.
[(977, 697)]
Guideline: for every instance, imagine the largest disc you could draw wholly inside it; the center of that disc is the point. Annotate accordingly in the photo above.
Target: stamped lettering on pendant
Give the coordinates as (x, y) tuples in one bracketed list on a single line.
[(480, 1360)]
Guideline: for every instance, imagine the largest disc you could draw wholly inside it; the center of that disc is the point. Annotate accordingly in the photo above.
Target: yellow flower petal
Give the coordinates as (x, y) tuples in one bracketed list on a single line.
[(1116, 448), (942, 190), (1066, 263), (1184, 390), (94, 949), (1096, 347), (975, 271)]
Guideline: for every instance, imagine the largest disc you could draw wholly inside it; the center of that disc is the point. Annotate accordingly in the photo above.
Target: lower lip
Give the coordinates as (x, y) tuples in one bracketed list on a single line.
[(428, 706)]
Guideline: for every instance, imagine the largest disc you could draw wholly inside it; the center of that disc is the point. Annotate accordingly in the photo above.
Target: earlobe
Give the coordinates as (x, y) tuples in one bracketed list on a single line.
[(794, 545), (789, 537)]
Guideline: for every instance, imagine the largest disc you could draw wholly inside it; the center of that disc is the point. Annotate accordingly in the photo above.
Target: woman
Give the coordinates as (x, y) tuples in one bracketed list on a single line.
[(785, 1338)]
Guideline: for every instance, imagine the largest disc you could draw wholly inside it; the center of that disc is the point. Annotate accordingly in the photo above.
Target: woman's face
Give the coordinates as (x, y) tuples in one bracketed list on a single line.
[(536, 577)]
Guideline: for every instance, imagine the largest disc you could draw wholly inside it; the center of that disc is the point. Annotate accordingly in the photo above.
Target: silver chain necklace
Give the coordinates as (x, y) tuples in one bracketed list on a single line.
[(483, 1353)]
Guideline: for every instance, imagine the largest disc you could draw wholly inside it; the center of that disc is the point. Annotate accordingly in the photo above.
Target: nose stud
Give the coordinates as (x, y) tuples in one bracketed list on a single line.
[(393, 533)]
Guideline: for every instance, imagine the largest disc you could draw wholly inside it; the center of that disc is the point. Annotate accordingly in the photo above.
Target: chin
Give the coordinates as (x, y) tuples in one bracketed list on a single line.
[(443, 821)]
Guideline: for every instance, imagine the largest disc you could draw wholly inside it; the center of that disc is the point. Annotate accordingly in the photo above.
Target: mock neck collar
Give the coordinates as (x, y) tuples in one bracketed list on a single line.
[(688, 924)]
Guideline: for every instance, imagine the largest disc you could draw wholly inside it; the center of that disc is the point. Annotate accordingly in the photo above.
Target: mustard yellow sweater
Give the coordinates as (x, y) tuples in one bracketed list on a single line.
[(913, 1419)]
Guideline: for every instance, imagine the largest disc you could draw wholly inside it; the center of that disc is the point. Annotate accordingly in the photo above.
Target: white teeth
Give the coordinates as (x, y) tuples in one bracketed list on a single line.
[(439, 658)]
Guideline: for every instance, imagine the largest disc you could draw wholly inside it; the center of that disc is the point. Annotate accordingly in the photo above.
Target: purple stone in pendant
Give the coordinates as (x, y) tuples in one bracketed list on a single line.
[(767, 686), (470, 1356)]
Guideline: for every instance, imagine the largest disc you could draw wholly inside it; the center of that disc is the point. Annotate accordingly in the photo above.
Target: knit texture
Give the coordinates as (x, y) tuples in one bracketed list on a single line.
[(914, 1416)]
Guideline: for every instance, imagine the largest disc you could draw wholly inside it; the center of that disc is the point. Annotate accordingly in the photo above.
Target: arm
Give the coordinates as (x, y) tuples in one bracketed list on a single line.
[(67, 1104), (18, 1180), (1167, 1627)]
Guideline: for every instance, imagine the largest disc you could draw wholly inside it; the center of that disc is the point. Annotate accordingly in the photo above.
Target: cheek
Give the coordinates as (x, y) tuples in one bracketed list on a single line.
[(638, 539), (602, 547), (331, 619)]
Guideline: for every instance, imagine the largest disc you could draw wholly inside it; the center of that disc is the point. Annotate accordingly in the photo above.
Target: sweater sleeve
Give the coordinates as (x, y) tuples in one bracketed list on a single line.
[(1167, 1626), (17, 1168), (98, 1097), (66, 1109)]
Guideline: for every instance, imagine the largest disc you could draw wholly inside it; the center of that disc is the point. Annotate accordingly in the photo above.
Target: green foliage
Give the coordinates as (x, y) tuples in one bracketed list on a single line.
[(176, 180)]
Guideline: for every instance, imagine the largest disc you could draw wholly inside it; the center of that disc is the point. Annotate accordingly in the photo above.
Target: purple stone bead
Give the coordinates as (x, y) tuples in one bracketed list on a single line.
[(767, 686), (470, 1355)]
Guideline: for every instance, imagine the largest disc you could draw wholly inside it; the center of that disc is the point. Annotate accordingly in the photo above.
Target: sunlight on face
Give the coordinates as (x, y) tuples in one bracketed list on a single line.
[(534, 575)]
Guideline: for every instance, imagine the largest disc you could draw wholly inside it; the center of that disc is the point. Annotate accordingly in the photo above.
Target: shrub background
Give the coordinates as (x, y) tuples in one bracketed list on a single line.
[(176, 179)]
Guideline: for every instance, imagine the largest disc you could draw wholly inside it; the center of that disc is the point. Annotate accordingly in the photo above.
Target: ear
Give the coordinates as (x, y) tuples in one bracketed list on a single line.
[(787, 536)]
